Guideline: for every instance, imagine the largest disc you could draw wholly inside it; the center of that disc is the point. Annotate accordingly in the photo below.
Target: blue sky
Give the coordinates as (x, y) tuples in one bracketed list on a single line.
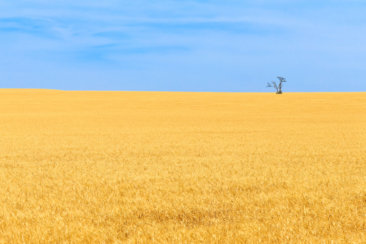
[(183, 45)]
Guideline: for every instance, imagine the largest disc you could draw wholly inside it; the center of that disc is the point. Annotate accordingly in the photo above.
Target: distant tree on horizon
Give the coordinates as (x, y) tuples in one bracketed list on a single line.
[(278, 86)]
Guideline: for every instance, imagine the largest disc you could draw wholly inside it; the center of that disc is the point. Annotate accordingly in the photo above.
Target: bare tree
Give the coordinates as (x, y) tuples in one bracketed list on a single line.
[(278, 86)]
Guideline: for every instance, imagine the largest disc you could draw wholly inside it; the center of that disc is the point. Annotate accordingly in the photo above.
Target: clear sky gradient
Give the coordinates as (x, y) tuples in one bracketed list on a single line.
[(183, 45)]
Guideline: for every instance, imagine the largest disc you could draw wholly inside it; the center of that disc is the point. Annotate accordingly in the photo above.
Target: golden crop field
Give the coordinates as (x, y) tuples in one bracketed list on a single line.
[(142, 167)]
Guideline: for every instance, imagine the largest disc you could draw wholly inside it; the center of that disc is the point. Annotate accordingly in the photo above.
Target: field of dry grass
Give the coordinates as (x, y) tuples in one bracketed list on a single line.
[(182, 167)]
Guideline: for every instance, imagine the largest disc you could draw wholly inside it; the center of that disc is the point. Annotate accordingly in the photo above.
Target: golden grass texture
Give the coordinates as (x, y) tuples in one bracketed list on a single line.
[(170, 167)]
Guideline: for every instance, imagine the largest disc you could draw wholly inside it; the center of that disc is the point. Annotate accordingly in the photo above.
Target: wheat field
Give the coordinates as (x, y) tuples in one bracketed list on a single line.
[(169, 167)]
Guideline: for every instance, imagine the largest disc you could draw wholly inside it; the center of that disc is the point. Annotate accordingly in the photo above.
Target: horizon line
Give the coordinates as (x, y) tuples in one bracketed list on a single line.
[(175, 91)]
